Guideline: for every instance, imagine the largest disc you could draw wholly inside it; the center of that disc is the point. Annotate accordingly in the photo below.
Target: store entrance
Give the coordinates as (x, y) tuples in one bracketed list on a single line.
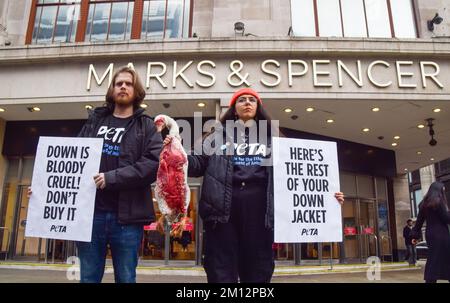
[(360, 236)]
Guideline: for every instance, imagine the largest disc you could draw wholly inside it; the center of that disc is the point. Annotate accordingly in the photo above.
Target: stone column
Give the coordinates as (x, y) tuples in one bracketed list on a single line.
[(427, 176), (402, 213)]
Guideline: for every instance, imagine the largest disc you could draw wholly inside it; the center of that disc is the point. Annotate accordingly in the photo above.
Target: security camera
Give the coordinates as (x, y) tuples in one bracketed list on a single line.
[(166, 105), (436, 20)]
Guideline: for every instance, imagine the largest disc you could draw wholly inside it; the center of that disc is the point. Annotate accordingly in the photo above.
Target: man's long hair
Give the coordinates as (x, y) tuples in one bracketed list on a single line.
[(139, 91)]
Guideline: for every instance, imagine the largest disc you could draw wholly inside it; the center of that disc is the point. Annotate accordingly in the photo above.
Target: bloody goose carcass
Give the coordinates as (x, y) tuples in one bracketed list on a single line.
[(172, 191)]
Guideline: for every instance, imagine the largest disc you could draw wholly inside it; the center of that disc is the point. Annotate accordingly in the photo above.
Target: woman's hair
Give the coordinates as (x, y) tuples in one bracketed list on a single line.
[(434, 197), (139, 91)]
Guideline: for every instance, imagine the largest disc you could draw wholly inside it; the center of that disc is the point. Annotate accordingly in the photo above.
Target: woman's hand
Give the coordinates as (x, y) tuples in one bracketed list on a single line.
[(339, 197), (99, 180), (29, 192)]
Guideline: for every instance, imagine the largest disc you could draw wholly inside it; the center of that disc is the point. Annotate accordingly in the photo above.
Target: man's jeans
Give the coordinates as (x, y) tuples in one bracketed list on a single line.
[(124, 241), (412, 254)]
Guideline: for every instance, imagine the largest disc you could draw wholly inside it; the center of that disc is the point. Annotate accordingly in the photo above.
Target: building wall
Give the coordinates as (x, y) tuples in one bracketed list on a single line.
[(426, 11), (216, 18), (14, 15), (202, 18), (261, 17)]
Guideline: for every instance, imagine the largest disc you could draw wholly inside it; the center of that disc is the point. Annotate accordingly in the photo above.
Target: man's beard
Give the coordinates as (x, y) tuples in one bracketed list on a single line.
[(123, 101)]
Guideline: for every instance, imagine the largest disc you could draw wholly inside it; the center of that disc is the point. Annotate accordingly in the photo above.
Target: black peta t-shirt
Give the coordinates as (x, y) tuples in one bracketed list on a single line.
[(248, 157), (111, 130)]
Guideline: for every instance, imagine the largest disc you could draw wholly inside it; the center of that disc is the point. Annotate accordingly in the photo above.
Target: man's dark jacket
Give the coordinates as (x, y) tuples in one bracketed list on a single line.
[(216, 194), (407, 234), (138, 164)]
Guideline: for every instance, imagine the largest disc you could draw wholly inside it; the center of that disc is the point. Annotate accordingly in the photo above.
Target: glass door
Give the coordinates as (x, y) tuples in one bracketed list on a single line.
[(367, 227), (359, 223), (351, 235)]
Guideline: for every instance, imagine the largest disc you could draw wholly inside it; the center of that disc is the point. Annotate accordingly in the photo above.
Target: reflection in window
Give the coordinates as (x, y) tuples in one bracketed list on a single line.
[(329, 16), (109, 21), (403, 17), (56, 21), (378, 19), (165, 19), (303, 22), (353, 18)]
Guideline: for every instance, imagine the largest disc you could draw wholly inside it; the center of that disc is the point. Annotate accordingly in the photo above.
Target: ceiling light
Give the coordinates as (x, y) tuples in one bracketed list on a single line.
[(397, 137), (394, 144), (201, 104), (420, 126), (366, 130), (376, 109), (406, 169), (330, 121), (143, 105), (310, 109), (432, 159), (288, 110), (2, 110), (419, 152), (437, 110), (88, 106), (33, 109)]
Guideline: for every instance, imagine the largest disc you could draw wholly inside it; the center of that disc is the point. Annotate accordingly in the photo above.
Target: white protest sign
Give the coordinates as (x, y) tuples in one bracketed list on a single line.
[(306, 177), (62, 203)]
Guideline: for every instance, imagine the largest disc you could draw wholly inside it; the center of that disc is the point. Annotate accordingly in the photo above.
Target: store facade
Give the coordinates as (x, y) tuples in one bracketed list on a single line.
[(367, 93)]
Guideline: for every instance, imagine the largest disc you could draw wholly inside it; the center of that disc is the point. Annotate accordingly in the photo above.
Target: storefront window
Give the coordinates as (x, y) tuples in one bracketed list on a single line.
[(378, 19), (403, 18), (303, 21), (353, 18), (56, 21), (109, 20), (165, 19), (329, 18)]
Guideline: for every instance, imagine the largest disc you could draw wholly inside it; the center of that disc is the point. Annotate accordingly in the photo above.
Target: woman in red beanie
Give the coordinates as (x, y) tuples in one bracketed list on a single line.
[(236, 203)]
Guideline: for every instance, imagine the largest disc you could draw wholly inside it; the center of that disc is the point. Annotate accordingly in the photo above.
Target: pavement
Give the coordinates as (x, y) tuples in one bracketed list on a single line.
[(397, 272)]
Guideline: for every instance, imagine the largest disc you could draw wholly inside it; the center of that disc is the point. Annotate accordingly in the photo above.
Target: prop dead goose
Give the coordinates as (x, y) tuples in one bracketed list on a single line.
[(172, 191)]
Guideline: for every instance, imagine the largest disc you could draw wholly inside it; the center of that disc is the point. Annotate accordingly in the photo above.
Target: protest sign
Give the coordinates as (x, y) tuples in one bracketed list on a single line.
[(306, 177), (63, 190)]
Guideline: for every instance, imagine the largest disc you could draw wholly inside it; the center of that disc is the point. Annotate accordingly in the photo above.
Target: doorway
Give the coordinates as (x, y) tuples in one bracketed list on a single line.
[(360, 236)]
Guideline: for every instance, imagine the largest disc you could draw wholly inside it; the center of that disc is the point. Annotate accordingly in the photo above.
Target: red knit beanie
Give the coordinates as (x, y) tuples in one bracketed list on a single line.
[(244, 91)]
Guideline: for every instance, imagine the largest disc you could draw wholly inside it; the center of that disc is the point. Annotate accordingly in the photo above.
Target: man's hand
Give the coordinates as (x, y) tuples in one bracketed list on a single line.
[(167, 140), (29, 192), (339, 197), (99, 180)]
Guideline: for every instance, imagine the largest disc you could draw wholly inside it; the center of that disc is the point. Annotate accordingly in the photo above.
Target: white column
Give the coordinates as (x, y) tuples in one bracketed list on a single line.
[(427, 176)]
